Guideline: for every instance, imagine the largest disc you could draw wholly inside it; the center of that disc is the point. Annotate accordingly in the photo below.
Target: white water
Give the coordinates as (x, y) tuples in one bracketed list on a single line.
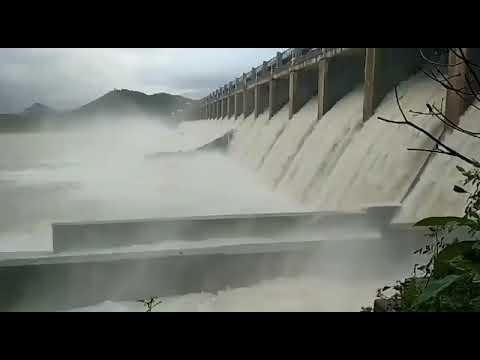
[(288, 143), (235, 148), (376, 167), (433, 194), (102, 174), (283, 294), (322, 148), (254, 141)]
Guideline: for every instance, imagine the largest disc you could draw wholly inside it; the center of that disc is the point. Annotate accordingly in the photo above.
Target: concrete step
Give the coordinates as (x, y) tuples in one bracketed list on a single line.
[(76, 279), (109, 234), (131, 260)]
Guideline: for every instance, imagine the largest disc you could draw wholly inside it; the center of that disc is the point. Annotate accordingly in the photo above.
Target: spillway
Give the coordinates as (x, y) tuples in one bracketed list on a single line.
[(376, 166), (291, 139), (433, 194), (298, 201), (322, 147)]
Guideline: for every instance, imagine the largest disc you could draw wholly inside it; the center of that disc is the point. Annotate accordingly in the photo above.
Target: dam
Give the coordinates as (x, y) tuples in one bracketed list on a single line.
[(339, 189)]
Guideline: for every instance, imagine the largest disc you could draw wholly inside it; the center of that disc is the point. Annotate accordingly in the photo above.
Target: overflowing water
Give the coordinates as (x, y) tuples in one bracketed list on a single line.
[(433, 194), (376, 166), (101, 173), (278, 159), (104, 172), (323, 146)]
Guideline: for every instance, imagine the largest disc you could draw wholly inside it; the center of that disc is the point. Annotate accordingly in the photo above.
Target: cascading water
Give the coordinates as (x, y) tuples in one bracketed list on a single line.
[(322, 147), (288, 143), (433, 194), (376, 166), (337, 162), (102, 174)]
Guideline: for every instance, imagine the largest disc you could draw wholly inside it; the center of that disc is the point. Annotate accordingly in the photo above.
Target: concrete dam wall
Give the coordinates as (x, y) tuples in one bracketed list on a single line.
[(306, 124), (316, 137)]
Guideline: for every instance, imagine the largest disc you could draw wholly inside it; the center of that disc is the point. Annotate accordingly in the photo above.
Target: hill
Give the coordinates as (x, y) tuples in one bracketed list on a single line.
[(38, 110), (126, 102), (167, 108)]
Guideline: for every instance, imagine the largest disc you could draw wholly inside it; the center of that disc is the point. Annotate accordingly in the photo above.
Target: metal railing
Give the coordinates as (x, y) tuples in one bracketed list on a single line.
[(278, 63)]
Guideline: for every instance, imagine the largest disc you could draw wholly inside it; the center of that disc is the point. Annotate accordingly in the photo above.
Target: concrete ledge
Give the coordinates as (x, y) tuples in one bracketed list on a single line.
[(381, 215), (101, 235), (62, 281)]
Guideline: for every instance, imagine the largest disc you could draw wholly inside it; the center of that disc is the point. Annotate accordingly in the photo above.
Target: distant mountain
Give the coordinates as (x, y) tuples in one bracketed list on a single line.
[(167, 108), (38, 110), (126, 102)]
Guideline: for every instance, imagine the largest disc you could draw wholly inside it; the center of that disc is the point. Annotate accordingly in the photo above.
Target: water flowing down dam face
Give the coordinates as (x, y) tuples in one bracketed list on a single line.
[(288, 143), (103, 173), (376, 166), (322, 147), (433, 194), (312, 149)]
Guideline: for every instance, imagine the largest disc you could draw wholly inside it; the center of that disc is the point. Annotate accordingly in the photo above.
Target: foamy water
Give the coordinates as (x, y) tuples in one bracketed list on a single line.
[(321, 149), (283, 294), (102, 174), (433, 195), (289, 142), (376, 166), (337, 162)]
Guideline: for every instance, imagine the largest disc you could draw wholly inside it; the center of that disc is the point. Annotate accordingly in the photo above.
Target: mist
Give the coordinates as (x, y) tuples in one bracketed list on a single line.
[(102, 171)]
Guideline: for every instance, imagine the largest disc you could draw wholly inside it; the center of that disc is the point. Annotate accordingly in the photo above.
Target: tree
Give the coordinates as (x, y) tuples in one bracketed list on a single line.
[(451, 276)]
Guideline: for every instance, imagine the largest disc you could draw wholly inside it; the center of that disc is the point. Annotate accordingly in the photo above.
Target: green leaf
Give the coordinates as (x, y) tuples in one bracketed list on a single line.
[(444, 220), (475, 303), (437, 221), (435, 287), (459, 190), (459, 168)]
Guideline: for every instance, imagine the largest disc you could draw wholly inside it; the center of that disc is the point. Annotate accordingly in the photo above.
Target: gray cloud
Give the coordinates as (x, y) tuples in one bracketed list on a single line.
[(66, 78)]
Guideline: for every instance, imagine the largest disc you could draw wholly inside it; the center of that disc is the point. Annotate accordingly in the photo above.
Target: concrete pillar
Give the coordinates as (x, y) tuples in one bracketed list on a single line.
[(235, 105), (219, 109), (228, 106), (292, 94), (239, 103), (248, 101), (303, 86), (322, 87), (384, 69), (225, 106), (278, 95), (231, 105), (256, 101), (456, 104), (371, 86), (262, 94)]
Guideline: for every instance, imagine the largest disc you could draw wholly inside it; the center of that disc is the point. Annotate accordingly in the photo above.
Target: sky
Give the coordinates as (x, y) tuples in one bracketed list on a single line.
[(67, 78)]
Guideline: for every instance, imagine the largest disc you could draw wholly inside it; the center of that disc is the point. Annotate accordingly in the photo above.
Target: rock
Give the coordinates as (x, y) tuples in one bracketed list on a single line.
[(384, 305)]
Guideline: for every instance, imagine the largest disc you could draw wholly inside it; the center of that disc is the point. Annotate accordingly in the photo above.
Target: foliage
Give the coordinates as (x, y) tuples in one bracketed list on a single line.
[(450, 279)]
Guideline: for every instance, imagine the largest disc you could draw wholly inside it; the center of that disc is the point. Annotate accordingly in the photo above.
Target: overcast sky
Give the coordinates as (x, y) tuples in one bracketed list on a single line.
[(67, 78)]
